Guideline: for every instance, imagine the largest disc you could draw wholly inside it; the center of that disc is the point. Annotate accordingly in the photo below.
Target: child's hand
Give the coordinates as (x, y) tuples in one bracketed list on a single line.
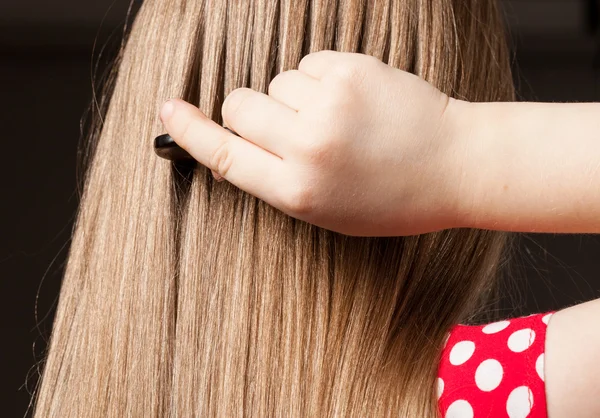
[(345, 142)]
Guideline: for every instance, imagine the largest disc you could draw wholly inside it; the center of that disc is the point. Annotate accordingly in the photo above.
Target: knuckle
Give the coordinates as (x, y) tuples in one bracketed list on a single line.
[(234, 102), (299, 200), (348, 78), (318, 151), (315, 56), (276, 82), (347, 71), (303, 61), (281, 80), (337, 99), (340, 94), (307, 58), (221, 159), (369, 60)]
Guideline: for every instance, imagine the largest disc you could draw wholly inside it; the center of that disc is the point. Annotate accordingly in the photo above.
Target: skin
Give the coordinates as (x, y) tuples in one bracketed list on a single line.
[(350, 144), (530, 167), (322, 148)]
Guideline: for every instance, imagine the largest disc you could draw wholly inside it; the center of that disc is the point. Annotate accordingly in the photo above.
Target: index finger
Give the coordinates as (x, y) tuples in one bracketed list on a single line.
[(242, 163)]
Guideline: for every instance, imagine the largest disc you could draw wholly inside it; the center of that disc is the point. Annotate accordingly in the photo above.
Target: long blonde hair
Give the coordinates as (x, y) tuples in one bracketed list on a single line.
[(187, 297)]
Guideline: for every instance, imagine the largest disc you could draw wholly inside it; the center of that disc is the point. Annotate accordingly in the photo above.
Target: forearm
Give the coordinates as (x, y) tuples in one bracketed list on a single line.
[(531, 167)]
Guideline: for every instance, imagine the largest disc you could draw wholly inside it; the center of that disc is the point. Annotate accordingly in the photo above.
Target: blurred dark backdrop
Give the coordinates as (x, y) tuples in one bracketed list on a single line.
[(46, 67)]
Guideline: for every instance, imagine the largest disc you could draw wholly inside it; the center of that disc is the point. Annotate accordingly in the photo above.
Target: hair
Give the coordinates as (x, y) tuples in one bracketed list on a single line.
[(183, 296)]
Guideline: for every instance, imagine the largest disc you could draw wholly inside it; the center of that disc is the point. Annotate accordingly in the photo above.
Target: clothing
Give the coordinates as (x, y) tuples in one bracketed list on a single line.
[(494, 370)]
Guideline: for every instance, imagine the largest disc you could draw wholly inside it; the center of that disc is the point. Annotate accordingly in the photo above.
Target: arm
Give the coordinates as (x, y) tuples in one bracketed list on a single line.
[(530, 167), (535, 167), (350, 144)]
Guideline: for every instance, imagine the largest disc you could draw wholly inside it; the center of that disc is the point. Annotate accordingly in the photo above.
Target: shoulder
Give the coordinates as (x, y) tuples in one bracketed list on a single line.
[(573, 361)]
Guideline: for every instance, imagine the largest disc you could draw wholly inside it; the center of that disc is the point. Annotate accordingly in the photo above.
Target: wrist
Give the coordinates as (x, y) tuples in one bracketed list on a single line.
[(465, 154)]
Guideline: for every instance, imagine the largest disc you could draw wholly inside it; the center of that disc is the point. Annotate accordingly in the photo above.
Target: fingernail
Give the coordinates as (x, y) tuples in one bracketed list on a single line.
[(217, 176), (167, 110)]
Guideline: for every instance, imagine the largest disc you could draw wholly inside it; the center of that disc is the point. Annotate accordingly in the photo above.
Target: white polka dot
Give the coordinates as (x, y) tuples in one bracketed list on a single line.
[(520, 402), (539, 366), (460, 409), (440, 387), (521, 340), (546, 318), (495, 327), (461, 352), (489, 375)]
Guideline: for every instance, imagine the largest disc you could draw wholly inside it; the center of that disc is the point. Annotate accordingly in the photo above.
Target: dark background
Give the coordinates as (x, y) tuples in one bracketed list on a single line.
[(46, 67)]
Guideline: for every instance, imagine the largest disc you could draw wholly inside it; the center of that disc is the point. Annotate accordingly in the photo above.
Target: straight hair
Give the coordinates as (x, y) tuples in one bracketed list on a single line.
[(183, 296)]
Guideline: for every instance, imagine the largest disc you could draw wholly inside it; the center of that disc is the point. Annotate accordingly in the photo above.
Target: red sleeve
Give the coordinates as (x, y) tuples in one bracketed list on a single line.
[(494, 370)]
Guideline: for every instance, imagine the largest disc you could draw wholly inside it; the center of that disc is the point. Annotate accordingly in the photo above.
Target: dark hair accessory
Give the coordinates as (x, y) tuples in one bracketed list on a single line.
[(166, 147)]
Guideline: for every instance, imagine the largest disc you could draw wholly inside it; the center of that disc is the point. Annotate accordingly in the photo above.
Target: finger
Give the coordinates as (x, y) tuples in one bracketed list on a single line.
[(217, 176), (293, 88), (260, 119), (238, 161), (318, 63)]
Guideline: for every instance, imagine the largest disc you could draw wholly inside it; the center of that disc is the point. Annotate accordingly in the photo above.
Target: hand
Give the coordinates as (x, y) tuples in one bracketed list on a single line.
[(345, 142)]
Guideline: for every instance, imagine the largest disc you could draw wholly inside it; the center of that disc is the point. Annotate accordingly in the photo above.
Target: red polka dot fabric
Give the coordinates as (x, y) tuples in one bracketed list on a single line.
[(494, 370)]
